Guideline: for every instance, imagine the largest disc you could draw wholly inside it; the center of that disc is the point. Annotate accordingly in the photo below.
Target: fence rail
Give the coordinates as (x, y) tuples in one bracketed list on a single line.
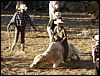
[(68, 15)]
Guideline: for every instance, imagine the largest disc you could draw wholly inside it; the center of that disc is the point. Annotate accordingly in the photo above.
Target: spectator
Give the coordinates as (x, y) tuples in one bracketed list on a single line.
[(95, 53)]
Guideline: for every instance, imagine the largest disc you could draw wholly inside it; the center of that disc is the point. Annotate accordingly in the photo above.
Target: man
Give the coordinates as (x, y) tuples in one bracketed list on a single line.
[(54, 13), (20, 19), (61, 36), (95, 53), (51, 25)]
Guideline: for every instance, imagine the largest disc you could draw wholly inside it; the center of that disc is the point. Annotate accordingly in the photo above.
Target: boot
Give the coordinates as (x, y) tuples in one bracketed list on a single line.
[(22, 48)]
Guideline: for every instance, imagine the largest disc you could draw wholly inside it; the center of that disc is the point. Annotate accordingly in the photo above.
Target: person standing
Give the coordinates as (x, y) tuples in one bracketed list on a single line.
[(20, 19), (54, 13), (95, 53)]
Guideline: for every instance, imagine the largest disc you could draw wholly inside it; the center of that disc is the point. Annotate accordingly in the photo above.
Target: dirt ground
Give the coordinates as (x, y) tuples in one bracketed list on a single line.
[(37, 42)]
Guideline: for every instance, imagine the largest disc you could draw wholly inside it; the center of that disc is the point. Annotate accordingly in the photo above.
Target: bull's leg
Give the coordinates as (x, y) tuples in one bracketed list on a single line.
[(31, 65), (78, 58), (56, 64)]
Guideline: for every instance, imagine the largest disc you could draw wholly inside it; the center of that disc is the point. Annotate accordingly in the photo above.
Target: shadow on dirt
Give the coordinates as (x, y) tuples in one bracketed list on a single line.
[(83, 64), (25, 62)]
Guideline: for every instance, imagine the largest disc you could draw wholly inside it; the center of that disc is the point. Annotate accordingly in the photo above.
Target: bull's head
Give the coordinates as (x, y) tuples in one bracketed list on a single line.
[(38, 61)]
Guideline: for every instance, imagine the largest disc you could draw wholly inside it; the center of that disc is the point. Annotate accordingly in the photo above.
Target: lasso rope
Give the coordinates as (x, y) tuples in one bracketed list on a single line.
[(9, 40)]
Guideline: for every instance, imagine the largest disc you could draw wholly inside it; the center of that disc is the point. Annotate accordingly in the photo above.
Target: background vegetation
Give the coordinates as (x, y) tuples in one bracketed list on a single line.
[(43, 6)]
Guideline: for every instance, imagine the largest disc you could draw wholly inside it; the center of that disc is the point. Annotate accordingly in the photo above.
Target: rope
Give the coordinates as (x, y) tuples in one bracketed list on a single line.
[(9, 40)]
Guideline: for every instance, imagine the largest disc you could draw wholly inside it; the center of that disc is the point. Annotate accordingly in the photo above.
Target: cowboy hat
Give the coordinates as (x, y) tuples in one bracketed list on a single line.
[(58, 21), (96, 37), (21, 6)]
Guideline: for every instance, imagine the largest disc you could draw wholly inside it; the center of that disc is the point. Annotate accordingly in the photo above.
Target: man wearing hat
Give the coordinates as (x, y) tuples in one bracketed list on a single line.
[(20, 19), (54, 13), (61, 36), (95, 53), (51, 25)]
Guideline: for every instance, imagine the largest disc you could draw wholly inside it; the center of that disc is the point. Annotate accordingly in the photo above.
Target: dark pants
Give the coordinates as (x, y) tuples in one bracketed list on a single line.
[(17, 31), (22, 31)]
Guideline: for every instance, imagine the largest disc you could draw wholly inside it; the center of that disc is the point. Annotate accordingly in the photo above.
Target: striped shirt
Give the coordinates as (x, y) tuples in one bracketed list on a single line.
[(21, 19)]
